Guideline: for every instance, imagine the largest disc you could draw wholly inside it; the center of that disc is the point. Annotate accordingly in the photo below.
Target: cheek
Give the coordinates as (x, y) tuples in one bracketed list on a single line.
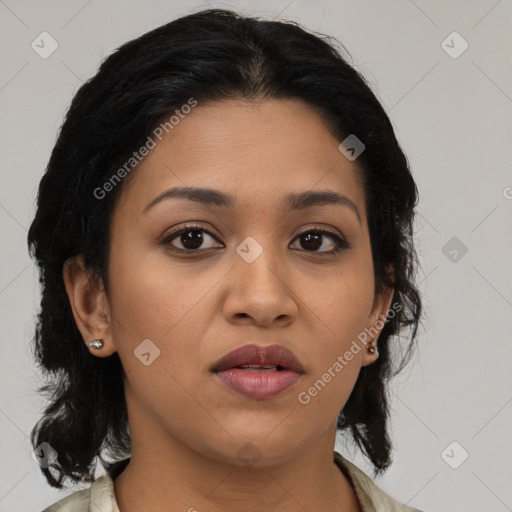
[(152, 296), (156, 299), (342, 303), (341, 309), (157, 313)]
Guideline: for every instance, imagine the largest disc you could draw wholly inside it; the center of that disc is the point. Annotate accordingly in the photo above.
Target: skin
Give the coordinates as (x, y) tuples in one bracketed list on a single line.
[(186, 428)]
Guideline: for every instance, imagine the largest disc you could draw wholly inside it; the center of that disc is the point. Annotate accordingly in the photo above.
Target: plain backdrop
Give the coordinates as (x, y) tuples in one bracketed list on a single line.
[(451, 107)]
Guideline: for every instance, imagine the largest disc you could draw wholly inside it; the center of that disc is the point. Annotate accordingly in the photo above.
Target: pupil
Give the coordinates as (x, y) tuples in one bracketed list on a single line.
[(192, 239), (314, 238)]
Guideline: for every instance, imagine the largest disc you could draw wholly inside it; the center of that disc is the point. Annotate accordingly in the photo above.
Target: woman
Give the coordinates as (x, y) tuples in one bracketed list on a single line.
[(224, 237)]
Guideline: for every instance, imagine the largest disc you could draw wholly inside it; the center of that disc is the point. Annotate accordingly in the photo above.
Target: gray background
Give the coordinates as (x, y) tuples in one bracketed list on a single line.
[(453, 119)]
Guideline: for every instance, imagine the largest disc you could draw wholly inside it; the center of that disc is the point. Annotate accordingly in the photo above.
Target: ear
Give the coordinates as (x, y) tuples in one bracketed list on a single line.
[(376, 322), (89, 305)]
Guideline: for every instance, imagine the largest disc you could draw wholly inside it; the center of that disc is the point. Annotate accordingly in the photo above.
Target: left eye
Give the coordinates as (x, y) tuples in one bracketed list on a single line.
[(313, 240)]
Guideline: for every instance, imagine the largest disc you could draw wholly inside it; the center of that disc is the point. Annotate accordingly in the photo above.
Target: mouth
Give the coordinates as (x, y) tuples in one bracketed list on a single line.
[(259, 358), (258, 372), (260, 368)]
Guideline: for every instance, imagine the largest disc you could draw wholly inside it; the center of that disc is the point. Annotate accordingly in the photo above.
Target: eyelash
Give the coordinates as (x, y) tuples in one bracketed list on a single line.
[(339, 242)]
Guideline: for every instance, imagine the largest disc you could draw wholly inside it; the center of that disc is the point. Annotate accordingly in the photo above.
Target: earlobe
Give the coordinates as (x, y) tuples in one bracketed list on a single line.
[(89, 306), (372, 352), (376, 322)]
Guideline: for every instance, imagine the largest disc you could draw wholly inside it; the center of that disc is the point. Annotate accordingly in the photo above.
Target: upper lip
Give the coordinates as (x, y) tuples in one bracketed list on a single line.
[(269, 355)]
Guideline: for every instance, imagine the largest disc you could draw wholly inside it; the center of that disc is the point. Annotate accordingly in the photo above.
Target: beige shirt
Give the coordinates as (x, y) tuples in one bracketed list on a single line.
[(100, 497)]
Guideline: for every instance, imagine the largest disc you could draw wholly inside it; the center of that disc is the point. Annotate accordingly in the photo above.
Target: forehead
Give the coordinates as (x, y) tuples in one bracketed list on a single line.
[(257, 151)]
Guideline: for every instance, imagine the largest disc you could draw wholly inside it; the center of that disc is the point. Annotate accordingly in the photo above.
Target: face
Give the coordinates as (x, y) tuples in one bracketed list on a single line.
[(256, 270)]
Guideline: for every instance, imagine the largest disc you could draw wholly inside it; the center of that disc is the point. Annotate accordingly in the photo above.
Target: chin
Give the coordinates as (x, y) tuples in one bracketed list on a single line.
[(256, 451)]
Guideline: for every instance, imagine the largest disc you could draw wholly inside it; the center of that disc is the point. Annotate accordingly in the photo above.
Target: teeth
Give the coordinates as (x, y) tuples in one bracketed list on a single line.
[(259, 367), (255, 366)]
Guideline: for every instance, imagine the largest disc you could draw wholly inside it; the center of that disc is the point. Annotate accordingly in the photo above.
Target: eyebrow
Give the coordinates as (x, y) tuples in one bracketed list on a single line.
[(209, 196)]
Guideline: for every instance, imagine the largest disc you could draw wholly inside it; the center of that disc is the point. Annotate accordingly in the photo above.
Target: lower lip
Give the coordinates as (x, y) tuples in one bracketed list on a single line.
[(258, 385)]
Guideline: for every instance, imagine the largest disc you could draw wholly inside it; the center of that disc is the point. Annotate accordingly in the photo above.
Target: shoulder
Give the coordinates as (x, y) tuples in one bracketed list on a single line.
[(99, 496), (75, 502), (372, 497)]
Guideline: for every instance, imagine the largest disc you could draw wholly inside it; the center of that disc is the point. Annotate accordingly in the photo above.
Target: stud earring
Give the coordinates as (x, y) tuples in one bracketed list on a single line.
[(96, 344), (372, 349)]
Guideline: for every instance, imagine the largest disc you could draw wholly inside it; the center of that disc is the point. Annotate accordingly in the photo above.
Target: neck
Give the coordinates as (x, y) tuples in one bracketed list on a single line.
[(164, 471)]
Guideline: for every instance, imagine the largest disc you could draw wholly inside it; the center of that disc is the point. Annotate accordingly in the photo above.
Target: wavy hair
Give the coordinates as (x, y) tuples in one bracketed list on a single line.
[(211, 55)]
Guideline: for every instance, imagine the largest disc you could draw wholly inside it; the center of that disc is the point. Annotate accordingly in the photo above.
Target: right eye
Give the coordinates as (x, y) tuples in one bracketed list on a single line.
[(190, 237)]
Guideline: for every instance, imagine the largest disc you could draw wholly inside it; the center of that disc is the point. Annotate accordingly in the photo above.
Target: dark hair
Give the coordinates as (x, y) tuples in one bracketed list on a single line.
[(211, 55)]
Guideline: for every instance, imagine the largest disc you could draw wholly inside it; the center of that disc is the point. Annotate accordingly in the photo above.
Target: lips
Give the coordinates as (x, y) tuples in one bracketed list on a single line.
[(257, 372), (259, 358)]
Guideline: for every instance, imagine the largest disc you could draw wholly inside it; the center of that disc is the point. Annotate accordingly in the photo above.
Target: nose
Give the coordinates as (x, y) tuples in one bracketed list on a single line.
[(260, 293)]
